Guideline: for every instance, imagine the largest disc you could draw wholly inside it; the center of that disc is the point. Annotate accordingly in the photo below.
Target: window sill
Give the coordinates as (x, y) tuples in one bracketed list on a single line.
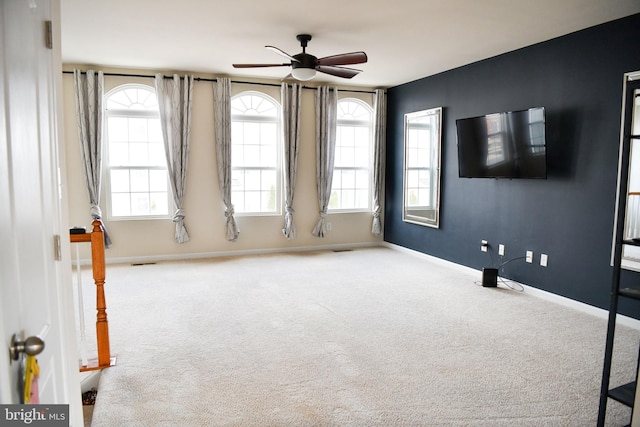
[(348, 211), (138, 218)]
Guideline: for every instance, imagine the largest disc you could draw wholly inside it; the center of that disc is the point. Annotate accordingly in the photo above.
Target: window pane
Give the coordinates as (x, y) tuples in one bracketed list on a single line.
[(139, 154), (158, 180), (252, 180), (117, 129), (347, 199), (269, 179), (155, 131), (362, 199), (423, 197), (120, 181), (269, 156), (269, 199), (361, 157), (413, 178), (238, 201), (425, 178), (268, 134), (159, 204), (135, 140), (237, 132), (139, 204), (137, 129), (362, 179), (337, 179), (348, 178), (252, 201), (119, 154), (156, 154), (353, 147), (348, 157), (120, 204), (334, 200), (361, 137), (251, 155), (237, 180), (139, 180), (255, 153), (251, 133)]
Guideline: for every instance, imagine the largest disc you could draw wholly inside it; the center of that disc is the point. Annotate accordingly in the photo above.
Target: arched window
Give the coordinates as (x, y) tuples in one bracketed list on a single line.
[(136, 169), (351, 187), (255, 154)]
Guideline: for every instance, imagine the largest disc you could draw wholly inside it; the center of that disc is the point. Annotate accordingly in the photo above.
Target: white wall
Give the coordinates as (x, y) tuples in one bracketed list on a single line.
[(205, 221)]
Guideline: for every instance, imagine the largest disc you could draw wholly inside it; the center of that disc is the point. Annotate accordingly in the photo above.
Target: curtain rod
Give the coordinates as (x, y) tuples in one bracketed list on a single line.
[(203, 79)]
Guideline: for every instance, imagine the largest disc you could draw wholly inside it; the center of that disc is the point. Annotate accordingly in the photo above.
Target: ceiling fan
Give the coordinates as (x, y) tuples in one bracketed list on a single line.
[(304, 65)]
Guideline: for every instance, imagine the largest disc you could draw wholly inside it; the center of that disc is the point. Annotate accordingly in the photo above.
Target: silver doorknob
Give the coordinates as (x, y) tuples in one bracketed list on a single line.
[(30, 346)]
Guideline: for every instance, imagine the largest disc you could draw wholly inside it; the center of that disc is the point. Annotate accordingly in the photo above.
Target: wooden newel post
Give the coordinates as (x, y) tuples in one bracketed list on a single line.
[(98, 265)]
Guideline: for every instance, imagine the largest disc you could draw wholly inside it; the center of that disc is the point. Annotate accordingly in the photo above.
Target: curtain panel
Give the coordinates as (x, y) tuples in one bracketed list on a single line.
[(222, 121), (379, 142), (175, 98), (326, 100), (290, 95), (89, 91)]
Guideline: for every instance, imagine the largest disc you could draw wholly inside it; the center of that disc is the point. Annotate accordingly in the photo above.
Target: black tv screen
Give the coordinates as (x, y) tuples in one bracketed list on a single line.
[(503, 145)]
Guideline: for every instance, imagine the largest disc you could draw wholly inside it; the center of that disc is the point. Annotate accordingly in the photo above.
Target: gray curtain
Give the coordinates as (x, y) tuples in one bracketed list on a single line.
[(222, 120), (380, 107), (174, 101), (290, 96), (326, 113), (89, 89)]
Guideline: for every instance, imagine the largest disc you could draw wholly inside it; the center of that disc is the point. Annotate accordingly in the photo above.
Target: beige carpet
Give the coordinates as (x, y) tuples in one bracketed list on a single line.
[(371, 337)]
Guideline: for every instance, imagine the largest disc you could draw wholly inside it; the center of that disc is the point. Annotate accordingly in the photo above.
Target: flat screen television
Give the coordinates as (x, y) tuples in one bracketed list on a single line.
[(503, 145)]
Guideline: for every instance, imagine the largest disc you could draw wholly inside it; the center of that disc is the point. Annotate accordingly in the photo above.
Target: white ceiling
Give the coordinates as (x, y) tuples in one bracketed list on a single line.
[(404, 39)]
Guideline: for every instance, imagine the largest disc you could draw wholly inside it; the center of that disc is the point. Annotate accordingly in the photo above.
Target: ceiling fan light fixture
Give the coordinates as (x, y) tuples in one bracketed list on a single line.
[(303, 74)]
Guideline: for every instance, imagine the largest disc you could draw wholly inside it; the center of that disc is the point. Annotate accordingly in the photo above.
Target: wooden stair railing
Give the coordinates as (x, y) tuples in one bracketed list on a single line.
[(96, 238)]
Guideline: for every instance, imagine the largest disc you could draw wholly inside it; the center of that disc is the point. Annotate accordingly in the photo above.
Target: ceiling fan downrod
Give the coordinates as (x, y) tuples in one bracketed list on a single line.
[(304, 39)]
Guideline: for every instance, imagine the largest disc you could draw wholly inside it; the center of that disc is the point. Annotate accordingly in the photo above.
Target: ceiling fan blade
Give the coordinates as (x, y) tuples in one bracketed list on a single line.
[(281, 53), (344, 59), (259, 65), (344, 72)]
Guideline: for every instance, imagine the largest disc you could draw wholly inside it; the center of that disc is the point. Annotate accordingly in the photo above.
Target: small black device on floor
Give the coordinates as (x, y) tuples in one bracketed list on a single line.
[(490, 277)]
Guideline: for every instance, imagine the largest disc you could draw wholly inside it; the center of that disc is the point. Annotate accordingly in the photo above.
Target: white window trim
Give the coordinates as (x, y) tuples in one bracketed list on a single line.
[(362, 123), (122, 112), (279, 150)]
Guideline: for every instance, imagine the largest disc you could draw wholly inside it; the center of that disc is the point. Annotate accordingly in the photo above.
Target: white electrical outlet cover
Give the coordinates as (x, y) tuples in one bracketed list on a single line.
[(543, 260)]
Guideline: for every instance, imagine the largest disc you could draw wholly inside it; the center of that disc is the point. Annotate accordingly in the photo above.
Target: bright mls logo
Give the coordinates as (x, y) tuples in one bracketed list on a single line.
[(35, 415)]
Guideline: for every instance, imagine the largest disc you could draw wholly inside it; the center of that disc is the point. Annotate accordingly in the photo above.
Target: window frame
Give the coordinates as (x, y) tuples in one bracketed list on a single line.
[(279, 196), (360, 123), (106, 173)]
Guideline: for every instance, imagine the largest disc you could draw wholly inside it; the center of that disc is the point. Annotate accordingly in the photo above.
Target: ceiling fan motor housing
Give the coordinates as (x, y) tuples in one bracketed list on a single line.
[(305, 61)]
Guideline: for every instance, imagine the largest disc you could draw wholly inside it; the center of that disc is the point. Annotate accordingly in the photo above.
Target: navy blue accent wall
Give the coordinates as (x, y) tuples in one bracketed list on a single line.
[(578, 78)]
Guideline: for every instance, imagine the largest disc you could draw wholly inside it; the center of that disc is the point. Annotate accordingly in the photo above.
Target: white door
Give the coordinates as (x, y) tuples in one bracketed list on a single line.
[(35, 291)]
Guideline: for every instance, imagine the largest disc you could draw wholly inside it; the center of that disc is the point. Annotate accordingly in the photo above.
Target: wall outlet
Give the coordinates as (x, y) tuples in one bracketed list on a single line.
[(501, 250), (543, 260), (329, 226), (484, 245), (529, 256)]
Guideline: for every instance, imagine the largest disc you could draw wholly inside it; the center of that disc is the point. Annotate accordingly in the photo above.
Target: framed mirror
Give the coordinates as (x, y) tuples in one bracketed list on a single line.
[(422, 144)]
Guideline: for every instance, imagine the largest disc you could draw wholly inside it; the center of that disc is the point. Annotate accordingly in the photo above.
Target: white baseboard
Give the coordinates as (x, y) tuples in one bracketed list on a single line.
[(558, 299), (200, 255)]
